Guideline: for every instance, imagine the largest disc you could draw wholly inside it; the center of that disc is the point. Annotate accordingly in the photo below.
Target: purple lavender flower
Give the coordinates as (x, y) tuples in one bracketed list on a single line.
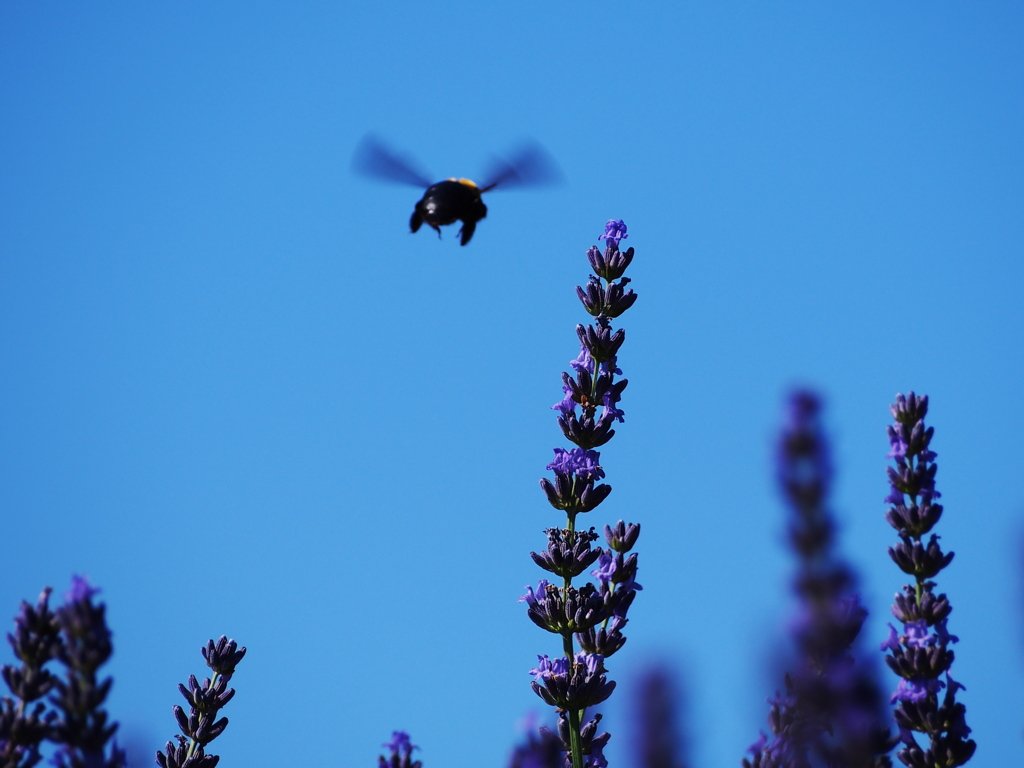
[(920, 654), (831, 712), (532, 598), (614, 231), (568, 553), (200, 725), (605, 568), (401, 748), (592, 616), (82, 728), (579, 462), (25, 720), (572, 686), (80, 590)]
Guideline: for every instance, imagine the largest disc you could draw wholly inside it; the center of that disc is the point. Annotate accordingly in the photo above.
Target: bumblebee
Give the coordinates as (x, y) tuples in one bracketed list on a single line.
[(453, 199)]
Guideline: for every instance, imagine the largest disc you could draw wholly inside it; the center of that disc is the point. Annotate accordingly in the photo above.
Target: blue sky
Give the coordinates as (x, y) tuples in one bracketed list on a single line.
[(243, 399)]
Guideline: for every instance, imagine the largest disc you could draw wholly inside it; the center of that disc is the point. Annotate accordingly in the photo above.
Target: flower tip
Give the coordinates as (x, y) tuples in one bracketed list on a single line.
[(400, 742), (81, 590), (614, 231)]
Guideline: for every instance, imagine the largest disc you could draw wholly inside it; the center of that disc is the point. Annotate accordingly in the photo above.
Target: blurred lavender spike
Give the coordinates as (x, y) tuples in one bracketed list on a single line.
[(540, 748), (657, 739), (25, 720), (82, 728), (831, 713)]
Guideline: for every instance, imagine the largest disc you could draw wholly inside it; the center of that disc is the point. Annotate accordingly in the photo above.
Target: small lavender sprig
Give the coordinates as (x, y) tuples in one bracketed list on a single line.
[(593, 616), (205, 701), (920, 655), (401, 748), (25, 720), (82, 729), (831, 711)]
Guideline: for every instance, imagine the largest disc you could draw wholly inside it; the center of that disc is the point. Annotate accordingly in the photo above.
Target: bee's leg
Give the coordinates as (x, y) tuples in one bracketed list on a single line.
[(468, 228), (416, 221)]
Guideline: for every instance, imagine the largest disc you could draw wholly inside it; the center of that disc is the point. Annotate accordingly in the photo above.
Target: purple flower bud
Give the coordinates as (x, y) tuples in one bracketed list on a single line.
[(608, 400), (80, 590), (898, 446), (583, 361), (584, 464), (915, 690), (567, 406), (400, 742), (531, 597), (891, 643), (605, 569), (916, 635), (614, 231), (550, 667), (591, 661)]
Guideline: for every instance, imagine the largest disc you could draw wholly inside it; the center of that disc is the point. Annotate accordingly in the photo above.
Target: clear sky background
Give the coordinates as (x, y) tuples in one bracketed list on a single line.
[(243, 399)]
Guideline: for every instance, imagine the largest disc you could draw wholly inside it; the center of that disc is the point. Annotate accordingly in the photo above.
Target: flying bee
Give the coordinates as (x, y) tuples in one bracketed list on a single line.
[(453, 199)]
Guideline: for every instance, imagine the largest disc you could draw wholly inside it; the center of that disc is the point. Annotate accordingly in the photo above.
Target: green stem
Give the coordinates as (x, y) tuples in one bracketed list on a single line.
[(574, 738), (575, 747)]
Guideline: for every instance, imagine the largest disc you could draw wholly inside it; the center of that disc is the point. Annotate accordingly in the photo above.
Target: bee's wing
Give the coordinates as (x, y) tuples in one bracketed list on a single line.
[(372, 158), (529, 165)]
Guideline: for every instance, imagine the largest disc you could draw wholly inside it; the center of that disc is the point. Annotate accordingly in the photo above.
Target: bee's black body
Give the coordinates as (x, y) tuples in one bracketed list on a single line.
[(449, 201), (453, 199)]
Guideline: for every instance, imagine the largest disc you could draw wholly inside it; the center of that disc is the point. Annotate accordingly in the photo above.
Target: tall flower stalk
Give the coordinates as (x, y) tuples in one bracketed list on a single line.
[(831, 713), (921, 653), (590, 616)]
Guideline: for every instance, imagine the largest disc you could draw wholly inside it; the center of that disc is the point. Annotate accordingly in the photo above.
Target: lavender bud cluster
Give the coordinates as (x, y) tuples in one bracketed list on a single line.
[(25, 720), (205, 701), (82, 728), (401, 748), (592, 615), (75, 636), (831, 713), (921, 653)]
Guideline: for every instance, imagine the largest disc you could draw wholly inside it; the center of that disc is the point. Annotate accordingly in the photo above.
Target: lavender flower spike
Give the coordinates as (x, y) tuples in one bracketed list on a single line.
[(82, 728), (593, 616), (24, 720), (205, 701), (658, 741), (831, 712), (920, 654)]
